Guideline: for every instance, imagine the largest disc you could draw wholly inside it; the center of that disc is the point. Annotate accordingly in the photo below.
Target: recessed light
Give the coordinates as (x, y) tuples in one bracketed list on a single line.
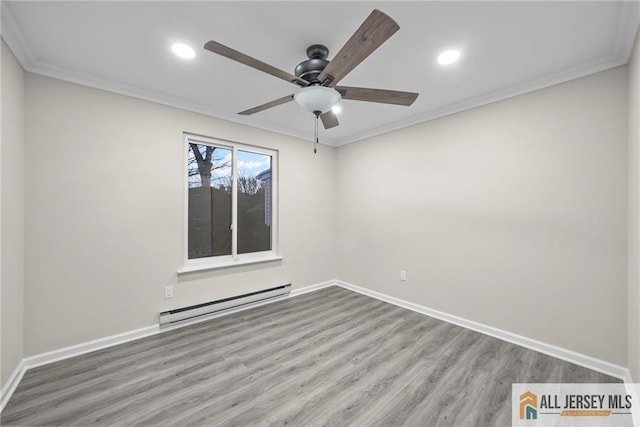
[(448, 57), (183, 50), (337, 109)]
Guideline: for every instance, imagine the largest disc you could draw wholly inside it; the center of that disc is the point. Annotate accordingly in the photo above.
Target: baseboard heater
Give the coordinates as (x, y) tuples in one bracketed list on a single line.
[(178, 315)]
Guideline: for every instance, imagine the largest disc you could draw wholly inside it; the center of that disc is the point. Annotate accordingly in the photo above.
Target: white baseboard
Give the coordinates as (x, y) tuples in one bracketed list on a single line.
[(11, 384), (549, 349), (312, 288), (101, 343), (87, 347)]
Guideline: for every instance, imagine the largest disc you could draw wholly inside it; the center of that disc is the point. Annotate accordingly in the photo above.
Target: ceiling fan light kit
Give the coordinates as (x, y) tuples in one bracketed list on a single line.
[(318, 76), (317, 99)]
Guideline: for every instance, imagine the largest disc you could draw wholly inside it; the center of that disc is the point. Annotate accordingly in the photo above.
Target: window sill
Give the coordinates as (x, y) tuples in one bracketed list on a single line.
[(192, 268)]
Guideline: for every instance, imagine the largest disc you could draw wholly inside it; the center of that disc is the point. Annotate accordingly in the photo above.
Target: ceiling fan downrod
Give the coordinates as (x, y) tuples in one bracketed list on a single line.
[(317, 77)]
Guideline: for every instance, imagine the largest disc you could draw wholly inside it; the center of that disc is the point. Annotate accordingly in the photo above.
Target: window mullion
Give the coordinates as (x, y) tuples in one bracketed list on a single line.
[(212, 221)]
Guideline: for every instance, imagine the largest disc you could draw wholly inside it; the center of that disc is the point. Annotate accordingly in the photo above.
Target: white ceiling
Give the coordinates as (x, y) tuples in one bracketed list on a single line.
[(508, 48)]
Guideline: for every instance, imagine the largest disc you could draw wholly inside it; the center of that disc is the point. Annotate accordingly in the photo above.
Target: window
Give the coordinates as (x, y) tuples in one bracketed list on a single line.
[(231, 206)]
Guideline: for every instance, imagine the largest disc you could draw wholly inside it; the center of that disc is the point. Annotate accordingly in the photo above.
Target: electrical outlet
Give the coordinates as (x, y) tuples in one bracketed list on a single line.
[(168, 292), (403, 276)]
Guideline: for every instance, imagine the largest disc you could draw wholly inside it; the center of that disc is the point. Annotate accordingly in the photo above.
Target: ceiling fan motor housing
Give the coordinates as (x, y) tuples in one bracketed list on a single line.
[(311, 68), (317, 77)]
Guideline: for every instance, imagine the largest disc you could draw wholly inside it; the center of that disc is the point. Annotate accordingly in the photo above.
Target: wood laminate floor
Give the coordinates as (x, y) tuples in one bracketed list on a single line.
[(332, 357)]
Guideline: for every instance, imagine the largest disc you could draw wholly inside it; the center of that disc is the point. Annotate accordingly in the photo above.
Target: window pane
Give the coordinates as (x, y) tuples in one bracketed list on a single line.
[(254, 202), (209, 170)]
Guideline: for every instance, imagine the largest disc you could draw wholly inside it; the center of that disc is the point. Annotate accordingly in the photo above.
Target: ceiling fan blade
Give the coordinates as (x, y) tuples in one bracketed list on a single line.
[(373, 32), (329, 120), (377, 95), (227, 52), (266, 106)]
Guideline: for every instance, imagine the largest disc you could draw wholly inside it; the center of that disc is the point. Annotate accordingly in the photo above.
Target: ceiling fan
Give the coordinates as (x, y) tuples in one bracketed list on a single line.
[(318, 77)]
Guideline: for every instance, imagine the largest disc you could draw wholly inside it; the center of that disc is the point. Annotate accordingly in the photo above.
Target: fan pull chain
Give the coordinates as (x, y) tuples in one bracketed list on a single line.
[(315, 146)]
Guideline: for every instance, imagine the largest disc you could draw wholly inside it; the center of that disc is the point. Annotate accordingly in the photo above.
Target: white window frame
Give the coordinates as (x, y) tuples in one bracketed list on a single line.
[(234, 259)]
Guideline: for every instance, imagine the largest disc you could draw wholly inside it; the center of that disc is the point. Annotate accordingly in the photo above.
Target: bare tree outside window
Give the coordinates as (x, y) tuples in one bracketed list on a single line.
[(210, 210), (209, 170)]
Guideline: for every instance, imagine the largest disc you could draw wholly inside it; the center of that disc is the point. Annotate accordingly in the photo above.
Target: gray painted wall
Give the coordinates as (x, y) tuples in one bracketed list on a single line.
[(633, 354), (97, 261), (12, 213), (512, 214)]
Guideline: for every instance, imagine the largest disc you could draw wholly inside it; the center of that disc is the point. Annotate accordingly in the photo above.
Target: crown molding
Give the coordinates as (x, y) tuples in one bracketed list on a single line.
[(629, 23), (537, 83), (628, 17), (13, 37)]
